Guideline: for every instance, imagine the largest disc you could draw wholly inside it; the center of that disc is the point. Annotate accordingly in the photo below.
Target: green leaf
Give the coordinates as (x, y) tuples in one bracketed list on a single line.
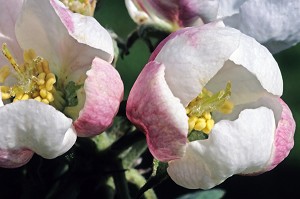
[(209, 194), (159, 174)]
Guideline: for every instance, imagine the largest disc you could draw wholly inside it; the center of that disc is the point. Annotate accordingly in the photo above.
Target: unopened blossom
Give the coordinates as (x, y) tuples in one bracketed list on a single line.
[(209, 104), (272, 23), (171, 14), (85, 7), (56, 80)]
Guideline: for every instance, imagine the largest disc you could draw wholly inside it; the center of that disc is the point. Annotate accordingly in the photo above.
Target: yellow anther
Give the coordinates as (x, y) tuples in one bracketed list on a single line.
[(187, 110), (5, 96), (227, 107), (5, 89), (45, 66), (50, 75), (49, 84), (202, 106), (25, 97), (50, 97), (43, 93), (38, 98), (209, 125), (29, 55), (200, 124), (35, 94), (19, 95), (45, 101), (4, 72), (206, 115), (34, 78), (41, 79), (192, 122)]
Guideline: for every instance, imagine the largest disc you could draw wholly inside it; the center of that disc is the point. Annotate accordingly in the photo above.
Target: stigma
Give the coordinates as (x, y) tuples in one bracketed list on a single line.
[(199, 110), (34, 78)]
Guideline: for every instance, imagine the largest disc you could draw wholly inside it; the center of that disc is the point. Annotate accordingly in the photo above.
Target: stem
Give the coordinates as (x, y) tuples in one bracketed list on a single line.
[(120, 181)]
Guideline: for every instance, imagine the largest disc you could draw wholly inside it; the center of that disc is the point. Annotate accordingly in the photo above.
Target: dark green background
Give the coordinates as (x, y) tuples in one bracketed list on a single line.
[(278, 183)]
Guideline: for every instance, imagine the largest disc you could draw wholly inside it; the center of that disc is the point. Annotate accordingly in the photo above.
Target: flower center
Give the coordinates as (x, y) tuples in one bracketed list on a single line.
[(199, 109), (85, 7), (34, 78)]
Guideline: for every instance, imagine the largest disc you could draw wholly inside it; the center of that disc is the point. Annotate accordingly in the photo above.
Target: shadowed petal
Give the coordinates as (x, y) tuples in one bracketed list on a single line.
[(9, 12)]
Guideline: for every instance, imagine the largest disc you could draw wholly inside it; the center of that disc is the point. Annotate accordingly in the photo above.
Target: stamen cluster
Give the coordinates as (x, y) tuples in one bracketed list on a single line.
[(34, 78)]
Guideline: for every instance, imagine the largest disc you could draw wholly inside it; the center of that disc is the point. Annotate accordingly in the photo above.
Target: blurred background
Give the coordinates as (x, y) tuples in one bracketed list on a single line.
[(281, 182)]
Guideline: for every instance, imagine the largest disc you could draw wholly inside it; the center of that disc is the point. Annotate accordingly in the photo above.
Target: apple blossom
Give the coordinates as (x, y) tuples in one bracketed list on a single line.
[(274, 24), (209, 104), (54, 65), (171, 14)]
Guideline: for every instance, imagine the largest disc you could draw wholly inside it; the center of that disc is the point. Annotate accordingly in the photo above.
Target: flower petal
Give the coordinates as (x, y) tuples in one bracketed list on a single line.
[(65, 39), (233, 147), (193, 11), (152, 107), (31, 125), (194, 56), (9, 12), (104, 92), (275, 24), (284, 137)]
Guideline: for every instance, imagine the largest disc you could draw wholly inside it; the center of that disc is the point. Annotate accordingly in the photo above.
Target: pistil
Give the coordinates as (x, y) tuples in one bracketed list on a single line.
[(199, 109)]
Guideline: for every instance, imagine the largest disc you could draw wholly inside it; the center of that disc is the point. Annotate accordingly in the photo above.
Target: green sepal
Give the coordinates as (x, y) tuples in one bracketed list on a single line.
[(197, 135)]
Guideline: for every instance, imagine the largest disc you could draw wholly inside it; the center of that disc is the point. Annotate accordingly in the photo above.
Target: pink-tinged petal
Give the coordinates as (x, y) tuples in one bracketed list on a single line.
[(233, 147), (9, 12), (275, 24), (15, 158), (284, 137), (194, 56), (104, 92), (152, 107), (65, 39), (195, 12), (31, 125)]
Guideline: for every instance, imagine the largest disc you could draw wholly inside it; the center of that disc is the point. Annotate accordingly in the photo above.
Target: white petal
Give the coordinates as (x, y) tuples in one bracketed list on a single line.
[(275, 24), (195, 56), (57, 35), (260, 62), (229, 8), (33, 125), (233, 147)]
